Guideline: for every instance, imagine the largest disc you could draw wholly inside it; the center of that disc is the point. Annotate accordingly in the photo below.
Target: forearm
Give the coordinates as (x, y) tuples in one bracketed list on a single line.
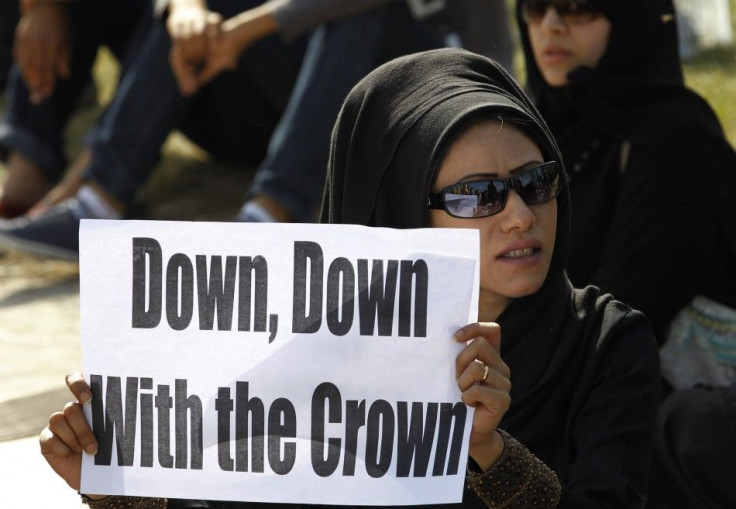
[(290, 18), (295, 17), (250, 26)]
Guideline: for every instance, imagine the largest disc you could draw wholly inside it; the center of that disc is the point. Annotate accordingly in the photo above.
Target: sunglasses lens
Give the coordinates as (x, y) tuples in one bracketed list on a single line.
[(574, 11), (475, 199), (534, 10), (581, 11), (483, 198), (540, 184)]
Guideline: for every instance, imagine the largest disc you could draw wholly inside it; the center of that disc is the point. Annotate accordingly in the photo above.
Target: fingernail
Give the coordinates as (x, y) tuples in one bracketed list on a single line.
[(459, 335), (85, 398), (91, 449)]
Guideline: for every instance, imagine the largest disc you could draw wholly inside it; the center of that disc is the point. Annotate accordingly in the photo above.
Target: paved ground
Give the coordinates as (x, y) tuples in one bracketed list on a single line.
[(39, 325), (39, 343)]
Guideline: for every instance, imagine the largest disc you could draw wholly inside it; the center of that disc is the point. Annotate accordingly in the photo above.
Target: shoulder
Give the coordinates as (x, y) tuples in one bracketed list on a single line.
[(615, 331), (681, 126)]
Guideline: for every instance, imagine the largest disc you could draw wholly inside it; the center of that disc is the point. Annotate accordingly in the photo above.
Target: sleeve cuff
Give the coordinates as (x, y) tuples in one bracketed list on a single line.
[(518, 479), (116, 502)]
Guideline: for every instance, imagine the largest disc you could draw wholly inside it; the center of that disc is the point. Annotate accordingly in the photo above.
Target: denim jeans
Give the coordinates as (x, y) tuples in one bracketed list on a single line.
[(232, 117), (36, 131), (237, 115), (338, 55)]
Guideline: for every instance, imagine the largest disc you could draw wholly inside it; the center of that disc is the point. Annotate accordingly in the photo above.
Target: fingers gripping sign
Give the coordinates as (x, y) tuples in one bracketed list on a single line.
[(68, 434), (484, 381)]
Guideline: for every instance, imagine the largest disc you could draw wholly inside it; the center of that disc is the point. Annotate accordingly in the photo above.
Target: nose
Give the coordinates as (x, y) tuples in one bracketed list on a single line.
[(552, 21), (516, 215)]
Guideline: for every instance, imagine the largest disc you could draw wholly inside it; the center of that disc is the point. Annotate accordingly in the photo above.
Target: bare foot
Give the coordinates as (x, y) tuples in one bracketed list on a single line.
[(25, 185), (68, 186), (278, 211)]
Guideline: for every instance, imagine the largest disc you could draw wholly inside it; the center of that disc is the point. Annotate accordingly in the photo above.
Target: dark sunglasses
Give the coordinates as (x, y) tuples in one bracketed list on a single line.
[(483, 198), (572, 11)]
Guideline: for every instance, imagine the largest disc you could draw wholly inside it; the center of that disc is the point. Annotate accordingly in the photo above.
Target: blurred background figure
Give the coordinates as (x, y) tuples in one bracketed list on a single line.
[(347, 41), (651, 171), (55, 46), (8, 18), (652, 180)]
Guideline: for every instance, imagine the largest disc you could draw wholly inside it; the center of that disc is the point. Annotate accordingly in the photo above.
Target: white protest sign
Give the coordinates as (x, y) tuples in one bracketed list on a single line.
[(276, 363)]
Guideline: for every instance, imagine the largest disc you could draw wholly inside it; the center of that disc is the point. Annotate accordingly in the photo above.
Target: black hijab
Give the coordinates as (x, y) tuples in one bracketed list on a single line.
[(637, 93), (386, 147)]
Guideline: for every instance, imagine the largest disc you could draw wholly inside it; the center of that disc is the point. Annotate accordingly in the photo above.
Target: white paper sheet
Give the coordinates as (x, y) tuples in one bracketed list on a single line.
[(325, 395)]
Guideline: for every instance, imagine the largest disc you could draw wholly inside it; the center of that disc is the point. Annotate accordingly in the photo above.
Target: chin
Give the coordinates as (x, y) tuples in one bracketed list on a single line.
[(519, 289), (556, 78), (518, 293)]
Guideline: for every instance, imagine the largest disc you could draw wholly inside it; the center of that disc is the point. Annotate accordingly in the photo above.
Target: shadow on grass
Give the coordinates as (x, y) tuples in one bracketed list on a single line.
[(69, 286), (25, 417)]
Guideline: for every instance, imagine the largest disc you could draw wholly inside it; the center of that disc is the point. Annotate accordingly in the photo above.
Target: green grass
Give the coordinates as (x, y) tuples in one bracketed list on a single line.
[(713, 75)]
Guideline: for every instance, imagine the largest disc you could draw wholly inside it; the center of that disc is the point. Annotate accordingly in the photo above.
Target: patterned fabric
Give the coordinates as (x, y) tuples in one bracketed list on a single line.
[(518, 480), (701, 347), (114, 502)]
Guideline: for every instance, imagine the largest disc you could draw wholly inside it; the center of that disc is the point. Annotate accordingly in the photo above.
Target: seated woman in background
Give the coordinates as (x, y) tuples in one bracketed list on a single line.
[(651, 174), (652, 182), (565, 404)]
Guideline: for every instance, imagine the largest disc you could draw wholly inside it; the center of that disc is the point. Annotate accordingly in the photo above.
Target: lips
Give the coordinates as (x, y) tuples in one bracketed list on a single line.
[(554, 53)]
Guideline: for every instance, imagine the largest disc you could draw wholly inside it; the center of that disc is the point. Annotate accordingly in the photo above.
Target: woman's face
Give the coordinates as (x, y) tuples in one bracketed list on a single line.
[(516, 244), (561, 45)]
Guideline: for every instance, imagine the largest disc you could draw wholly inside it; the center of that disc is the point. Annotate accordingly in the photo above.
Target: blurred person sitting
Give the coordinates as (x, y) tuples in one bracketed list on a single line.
[(651, 171), (127, 137), (351, 39), (55, 45), (651, 179)]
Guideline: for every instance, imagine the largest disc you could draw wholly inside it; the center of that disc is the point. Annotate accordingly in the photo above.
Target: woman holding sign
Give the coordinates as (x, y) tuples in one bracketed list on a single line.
[(565, 404)]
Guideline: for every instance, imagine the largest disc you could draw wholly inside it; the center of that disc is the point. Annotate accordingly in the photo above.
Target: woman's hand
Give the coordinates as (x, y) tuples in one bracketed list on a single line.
[(68, 434), (483, 378)]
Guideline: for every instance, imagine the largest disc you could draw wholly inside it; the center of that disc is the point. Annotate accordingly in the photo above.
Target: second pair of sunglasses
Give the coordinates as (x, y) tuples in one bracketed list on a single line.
[(572, 11), (483, 198)]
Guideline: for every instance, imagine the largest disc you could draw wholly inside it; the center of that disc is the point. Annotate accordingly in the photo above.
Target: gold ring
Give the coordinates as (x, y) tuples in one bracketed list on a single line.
[(486, 369)]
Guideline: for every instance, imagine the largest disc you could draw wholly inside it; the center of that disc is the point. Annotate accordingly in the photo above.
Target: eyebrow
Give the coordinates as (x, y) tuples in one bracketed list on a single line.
[(518, 169)]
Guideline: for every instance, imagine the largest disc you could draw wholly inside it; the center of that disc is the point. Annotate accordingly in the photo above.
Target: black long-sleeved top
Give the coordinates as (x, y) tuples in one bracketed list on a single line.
[(651, 240)]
